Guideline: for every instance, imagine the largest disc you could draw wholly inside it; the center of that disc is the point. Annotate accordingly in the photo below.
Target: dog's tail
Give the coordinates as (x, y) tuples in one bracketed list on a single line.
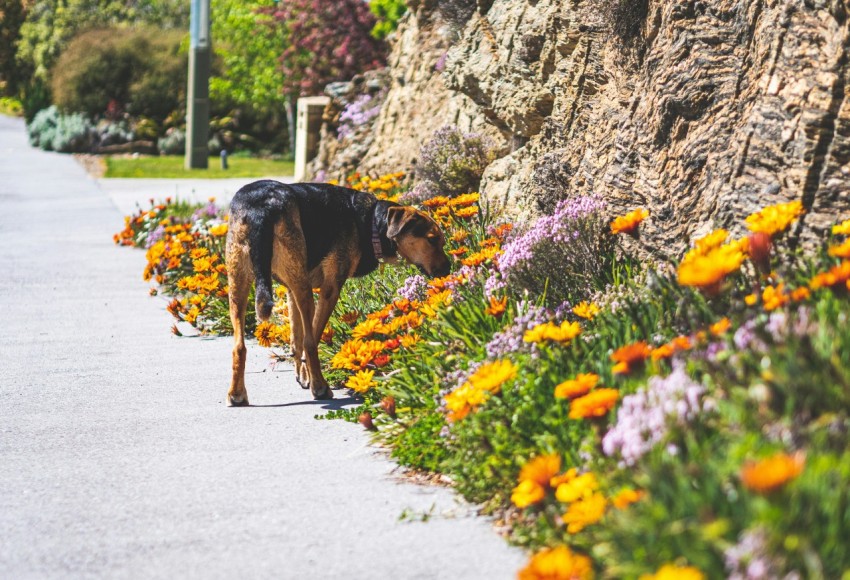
[(261, 260)]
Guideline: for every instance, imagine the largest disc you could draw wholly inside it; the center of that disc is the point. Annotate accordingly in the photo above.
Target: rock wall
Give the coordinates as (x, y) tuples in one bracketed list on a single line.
[(718, 108), (416, 104), (700, 110)]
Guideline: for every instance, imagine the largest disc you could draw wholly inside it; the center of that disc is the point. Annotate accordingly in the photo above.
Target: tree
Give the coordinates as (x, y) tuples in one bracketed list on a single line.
[(11, 19), (325, 42), (388, 13)]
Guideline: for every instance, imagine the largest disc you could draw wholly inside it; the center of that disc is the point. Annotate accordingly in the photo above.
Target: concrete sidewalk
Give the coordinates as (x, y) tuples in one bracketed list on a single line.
[(118, 456)]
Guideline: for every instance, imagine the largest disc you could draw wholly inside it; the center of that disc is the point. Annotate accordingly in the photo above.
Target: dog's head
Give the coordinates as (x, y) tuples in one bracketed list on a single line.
[(419, 239)]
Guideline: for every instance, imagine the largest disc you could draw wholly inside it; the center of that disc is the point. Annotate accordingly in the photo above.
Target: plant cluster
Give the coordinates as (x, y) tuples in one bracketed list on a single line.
[(451, 163), (690, 420)]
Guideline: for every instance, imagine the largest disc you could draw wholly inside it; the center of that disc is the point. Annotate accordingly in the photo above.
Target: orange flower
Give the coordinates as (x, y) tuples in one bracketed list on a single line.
[(628, 223), (800, 294), (437, 201), (707, 271), (265, 334), (467, 212), (773, 298), (464, 200), (497, 306), (836, 275), (559, 563), (630, 357), (549, 331), (350, 318), (720, 327), (361, 382), (577, 387), (776, 218), (626, 498), (662, 352), (459, 251), (541, 469), (594, 404), (772, 473)]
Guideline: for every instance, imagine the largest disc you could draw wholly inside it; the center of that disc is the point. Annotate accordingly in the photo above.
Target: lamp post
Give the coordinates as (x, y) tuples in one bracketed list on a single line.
[(198, 100)]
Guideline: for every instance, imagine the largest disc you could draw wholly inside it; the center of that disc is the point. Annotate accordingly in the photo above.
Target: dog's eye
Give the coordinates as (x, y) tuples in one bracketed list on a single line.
[(435, 241)]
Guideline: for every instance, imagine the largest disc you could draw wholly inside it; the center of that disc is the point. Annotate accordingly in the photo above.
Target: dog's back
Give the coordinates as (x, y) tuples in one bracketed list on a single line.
[(325, 215)]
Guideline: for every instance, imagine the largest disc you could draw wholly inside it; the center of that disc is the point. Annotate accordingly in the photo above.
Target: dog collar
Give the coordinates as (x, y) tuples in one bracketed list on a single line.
[(377, 244)]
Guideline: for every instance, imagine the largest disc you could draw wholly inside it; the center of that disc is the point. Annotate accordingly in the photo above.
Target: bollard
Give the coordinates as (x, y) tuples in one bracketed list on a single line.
[(224, 158)]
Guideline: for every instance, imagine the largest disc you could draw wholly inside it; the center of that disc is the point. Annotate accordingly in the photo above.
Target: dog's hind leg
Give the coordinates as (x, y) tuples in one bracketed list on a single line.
[(304, 300), (297, 342), (239, 286)]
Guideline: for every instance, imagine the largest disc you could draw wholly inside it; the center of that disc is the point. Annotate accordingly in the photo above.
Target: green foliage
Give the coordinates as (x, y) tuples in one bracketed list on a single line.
[(11, 106), (388, 13), (11, 20), (53, 131), (142, 72)]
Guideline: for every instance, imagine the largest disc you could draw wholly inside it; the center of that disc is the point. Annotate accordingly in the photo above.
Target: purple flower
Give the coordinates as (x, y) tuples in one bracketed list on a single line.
[(414, 288), (511, 340), (644, 419), (750, 558)]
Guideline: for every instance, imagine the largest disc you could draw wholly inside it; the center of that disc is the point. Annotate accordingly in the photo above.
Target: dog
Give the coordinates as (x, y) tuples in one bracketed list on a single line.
[(314, 235)]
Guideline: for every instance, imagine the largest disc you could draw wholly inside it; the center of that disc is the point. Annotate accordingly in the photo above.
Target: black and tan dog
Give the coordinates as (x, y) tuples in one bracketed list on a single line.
[(311, 235)]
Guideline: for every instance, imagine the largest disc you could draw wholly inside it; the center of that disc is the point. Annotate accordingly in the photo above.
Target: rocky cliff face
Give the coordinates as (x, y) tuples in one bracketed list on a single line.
[(701, 111)]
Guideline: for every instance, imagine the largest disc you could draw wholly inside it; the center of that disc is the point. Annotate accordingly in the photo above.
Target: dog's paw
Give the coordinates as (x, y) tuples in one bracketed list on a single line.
[(323, 394), (237, 400)]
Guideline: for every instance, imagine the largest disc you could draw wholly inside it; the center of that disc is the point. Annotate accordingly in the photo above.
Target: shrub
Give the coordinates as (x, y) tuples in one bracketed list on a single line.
[(173, 143), (388, 13), (53, 131), (136, 71), (561, 257), (451, 163)]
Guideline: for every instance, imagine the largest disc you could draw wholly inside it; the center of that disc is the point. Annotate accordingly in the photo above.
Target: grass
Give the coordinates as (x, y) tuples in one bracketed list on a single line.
[(11, 107), (171, 166)]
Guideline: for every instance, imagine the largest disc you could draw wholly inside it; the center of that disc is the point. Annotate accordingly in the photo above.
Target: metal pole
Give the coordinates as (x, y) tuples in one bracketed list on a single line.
[(198, 101)]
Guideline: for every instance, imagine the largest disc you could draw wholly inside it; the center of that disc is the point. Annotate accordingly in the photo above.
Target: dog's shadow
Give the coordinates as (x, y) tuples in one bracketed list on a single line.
[(327, 404)]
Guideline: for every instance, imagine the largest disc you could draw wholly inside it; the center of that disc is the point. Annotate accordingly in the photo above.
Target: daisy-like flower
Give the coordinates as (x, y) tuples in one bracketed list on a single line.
[(577, 387), (630, 357), (436, 201), (707, 271), (218, 230), (586, 310), (466, 212), (497, 306), (841, 229), (841, 250), (369, 327), (837, 276), (265, 333), (464, 200), (361, 382), (775, 219), (355, 354), (491, 376), (559, 563), (526, 493), (541, 469), (628, 223), (774, 297), (584, 512), (596, 403), (720, 327), (576, 488), (549, 331), (773, 472)]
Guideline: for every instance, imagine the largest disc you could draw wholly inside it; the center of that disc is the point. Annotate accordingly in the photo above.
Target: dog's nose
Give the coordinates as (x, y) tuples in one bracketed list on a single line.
[(444, 270)]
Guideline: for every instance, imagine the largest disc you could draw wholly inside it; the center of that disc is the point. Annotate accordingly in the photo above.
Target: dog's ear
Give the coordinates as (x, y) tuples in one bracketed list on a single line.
[(398, 218)]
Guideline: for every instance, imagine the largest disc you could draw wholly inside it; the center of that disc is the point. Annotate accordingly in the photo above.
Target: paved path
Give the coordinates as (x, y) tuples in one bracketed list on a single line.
[(118, 457)]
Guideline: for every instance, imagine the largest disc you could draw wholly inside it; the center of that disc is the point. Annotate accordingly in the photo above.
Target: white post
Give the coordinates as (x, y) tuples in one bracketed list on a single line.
[(309, 122)]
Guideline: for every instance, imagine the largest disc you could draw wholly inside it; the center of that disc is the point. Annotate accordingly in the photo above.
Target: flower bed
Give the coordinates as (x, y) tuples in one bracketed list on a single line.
[(681, 420)]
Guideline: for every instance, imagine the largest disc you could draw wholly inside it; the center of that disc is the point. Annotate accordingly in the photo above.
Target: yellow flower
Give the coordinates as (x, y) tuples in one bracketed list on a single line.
[(265, 333), (361, 382), (409, 340), (218, 230), (579, 487), (202, 264), (541, 469), (559, 563), (467, 212), (841, 250), (526, 493), (772, 473), (774, 297), (586, 310), (572, 388), (464, 200), (198, 253), (629, 222), (491, 376), (800, 294), (836, 275), (479, 258), (369, 327), (594, 404), (671, 572), (841, 229), (775, 218), (437, 201), (549, 331), (751, 299), (585, 512), (707, 271), (355, 354), (463, 400)]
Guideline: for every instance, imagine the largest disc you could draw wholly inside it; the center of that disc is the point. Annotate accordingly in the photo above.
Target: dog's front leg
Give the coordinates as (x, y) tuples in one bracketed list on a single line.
[(310, 346)]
